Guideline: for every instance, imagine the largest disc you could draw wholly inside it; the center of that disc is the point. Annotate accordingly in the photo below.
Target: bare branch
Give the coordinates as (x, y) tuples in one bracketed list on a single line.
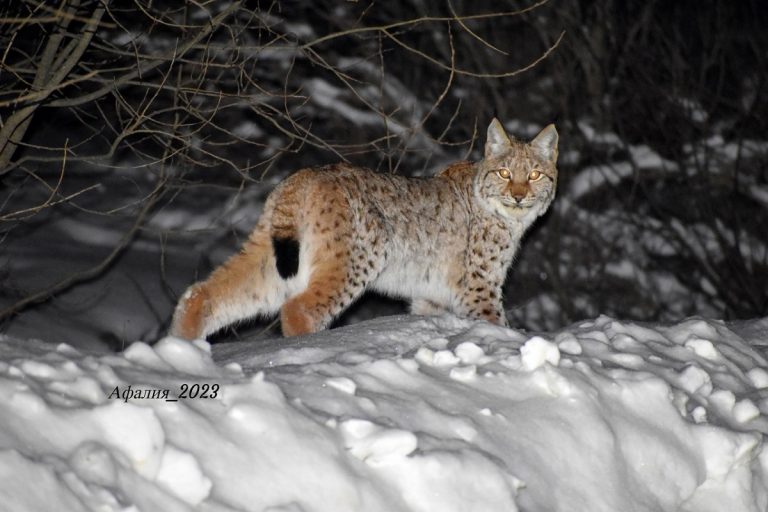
[(79, 277)]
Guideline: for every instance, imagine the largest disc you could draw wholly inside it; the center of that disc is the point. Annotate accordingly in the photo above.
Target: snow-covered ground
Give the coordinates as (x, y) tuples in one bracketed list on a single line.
[(399, 413)]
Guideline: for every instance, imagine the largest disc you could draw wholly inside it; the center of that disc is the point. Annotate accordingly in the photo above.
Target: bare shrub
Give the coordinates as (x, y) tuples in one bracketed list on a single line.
[(118, 113)]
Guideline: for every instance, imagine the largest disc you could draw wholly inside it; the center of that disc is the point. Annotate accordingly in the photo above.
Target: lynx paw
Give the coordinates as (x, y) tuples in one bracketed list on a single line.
[(296, 319)]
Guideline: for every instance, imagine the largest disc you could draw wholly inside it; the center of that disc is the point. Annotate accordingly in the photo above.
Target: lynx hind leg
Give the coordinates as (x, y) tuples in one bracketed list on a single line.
[(245, 286), (338, 278), (315, 307), (344, 257)]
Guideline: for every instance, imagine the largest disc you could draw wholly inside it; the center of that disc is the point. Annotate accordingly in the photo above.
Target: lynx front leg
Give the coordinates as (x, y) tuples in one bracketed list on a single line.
[(245, 286), (483, 302)]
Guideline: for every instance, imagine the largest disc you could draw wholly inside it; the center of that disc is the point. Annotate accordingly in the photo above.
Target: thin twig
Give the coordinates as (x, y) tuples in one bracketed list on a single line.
[(91, 273)]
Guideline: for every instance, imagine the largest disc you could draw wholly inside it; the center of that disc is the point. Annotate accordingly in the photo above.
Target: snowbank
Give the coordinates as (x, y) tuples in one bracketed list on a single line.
[(397, 414)]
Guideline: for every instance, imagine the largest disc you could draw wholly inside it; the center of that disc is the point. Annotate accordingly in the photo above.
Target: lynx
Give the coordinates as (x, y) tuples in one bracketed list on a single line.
[(327, 235)]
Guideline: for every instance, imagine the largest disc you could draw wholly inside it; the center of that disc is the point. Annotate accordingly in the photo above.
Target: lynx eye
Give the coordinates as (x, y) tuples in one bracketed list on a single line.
[(504, 173), (534, 176)]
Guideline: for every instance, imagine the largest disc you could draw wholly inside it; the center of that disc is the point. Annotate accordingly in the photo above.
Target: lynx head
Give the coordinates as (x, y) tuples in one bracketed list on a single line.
[(517, 180)]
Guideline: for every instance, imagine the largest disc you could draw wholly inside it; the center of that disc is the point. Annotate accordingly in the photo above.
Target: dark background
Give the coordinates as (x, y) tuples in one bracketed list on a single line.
[(147, 135)]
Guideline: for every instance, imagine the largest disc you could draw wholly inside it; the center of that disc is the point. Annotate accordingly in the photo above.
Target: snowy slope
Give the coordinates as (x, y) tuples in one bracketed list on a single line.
[(396, 414)]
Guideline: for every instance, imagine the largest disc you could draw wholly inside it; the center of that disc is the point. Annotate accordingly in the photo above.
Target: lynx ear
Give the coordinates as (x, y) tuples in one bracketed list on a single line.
[(497, 141), (545, 143)]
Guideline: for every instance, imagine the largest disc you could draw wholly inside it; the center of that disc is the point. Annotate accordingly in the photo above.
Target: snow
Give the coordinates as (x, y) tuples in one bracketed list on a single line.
[(593, 177), (396, 414), (249, 130), (328, 96), (644, 157), (593, 135)]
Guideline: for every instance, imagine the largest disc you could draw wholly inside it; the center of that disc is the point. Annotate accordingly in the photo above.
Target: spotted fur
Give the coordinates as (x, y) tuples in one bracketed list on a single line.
[(444, 242)]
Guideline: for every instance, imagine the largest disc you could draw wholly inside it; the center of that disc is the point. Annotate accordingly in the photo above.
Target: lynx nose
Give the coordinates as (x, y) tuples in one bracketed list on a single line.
[(518, 192), (518, 195)]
